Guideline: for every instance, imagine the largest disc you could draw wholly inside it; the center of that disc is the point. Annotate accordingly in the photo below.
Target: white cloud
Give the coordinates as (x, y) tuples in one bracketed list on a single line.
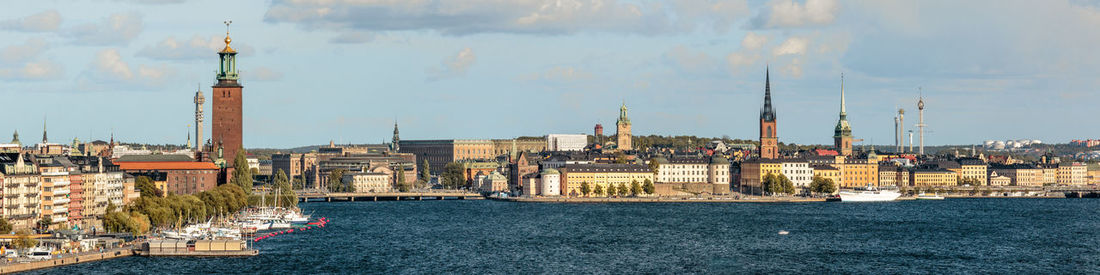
[(45, 21), (109, 67), (265, 74), (117, 29), (790, 14), (35, 70), (506, 16), (109, 63), (753, 41), (195, 48), (454, 66), (792, 46), (23, 52)]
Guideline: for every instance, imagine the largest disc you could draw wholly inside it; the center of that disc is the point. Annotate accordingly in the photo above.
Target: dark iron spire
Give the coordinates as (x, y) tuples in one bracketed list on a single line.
[(768, 112)]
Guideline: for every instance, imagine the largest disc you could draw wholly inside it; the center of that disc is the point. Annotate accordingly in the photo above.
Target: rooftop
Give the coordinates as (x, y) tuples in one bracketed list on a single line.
[(167, 165)]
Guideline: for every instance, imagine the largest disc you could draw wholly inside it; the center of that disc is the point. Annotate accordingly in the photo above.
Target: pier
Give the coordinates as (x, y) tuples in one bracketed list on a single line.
[(388, 196), (66, 260)]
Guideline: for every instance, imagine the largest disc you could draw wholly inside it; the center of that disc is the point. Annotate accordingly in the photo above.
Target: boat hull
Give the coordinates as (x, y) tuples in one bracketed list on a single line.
[(868, 196)]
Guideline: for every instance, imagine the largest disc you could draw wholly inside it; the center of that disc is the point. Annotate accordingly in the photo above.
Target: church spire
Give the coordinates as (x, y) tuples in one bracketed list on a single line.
[(843, 109), (395, 146), (768, 112), (842, 135), (44, 140)]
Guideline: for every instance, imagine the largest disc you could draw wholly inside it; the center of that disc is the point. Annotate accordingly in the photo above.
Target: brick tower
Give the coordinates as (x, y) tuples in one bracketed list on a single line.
[(769, 140), (622, 132), (226, 96)]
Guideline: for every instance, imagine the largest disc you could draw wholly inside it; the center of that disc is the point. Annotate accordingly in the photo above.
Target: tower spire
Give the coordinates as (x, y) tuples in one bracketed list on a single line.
[(842, 135), (396, 142), (44, 140), (768, 113), (843, 109)]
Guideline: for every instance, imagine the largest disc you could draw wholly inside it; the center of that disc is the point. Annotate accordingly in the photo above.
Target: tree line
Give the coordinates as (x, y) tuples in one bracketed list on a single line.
[(635, 189)]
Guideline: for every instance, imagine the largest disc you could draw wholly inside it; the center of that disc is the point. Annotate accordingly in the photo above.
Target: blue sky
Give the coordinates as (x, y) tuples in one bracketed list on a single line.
[(344, 70)]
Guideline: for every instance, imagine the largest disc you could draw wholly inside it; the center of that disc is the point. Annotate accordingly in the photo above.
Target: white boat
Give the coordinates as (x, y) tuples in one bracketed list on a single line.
[(868, 195), (929, 197)]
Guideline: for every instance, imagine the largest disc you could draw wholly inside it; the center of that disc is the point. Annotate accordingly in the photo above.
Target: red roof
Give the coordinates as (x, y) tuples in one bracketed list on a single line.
[(167, 165), (825, 152)]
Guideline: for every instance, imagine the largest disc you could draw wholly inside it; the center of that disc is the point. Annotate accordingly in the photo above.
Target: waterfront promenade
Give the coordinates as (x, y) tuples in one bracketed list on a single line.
[(388, 196), (660, 199), (66, 259)]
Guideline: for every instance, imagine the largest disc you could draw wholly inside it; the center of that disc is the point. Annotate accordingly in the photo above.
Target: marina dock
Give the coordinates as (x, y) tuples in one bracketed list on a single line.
[(388, 196), (8, 268), (196, 248)]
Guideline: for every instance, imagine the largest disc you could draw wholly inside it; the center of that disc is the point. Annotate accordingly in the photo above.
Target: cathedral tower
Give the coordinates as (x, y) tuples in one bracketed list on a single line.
[(622, 133), (842, 135), (227, 98), (769, 140)]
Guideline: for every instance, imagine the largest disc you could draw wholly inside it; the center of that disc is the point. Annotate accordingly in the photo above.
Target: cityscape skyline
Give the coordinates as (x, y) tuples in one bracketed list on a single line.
[(435, 78)]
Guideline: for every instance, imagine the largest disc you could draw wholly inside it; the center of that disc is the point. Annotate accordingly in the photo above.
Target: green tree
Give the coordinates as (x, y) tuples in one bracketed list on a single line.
[(44, 223), (623, 190), (286, 194), (770, 183), (425, 175), (648, 187), (242, 175), (635, 188), (335, 181), (402, 186), (585, 188), (453, 176), (23, 240), (598, 191), (822, 185), (5, 227), (147, 188), (786, 186)]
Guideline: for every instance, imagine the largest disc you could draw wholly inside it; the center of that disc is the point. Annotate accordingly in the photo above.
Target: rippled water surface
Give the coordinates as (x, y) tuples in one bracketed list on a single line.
[(478, 236)]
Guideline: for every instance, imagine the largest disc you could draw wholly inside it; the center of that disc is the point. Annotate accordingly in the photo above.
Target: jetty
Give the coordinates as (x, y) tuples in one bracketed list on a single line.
[(7, 268), (196, 248), (659, 199), (387, 196)]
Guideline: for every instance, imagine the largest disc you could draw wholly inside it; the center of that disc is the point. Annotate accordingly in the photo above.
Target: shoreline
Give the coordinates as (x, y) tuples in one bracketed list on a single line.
[(8, 268), (725, 199)]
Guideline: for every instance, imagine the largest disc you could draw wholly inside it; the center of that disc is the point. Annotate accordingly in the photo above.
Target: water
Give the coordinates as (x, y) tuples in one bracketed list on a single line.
[(951, 236)]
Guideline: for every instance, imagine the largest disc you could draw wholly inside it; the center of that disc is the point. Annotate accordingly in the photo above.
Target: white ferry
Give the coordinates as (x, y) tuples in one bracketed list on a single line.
[(869, 194)]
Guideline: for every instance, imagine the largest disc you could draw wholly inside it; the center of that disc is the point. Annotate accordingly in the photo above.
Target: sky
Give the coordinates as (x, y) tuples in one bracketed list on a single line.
[(345, 70)]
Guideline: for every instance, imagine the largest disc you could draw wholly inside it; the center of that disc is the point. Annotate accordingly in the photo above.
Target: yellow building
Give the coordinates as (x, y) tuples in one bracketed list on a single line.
[(887, 175), (1074, 173), (828, 172), (858, 173), (1020, 174), (603, 175), (974, 168), (1050, 174), (934, 177), (754, 171)]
